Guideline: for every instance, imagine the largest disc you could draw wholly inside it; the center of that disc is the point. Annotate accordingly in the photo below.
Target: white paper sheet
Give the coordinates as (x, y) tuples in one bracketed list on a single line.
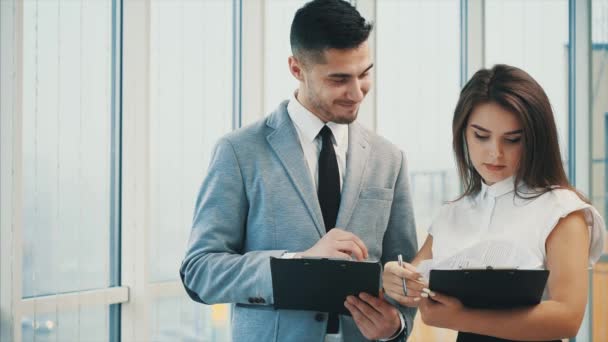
[(493, 253)]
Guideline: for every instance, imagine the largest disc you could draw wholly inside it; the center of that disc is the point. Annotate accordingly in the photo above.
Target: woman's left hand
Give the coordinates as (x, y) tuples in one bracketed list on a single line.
[(441, 311)]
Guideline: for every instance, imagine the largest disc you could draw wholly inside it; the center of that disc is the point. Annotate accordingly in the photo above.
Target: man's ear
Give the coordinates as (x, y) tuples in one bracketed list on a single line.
[(296, 68)]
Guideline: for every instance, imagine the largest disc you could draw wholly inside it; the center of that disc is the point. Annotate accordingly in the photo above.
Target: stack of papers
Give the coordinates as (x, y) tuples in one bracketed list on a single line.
[(492, 254)]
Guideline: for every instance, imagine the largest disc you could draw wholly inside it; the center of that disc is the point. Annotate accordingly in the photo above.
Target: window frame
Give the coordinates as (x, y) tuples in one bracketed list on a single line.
[(135, 195), (12, 184)]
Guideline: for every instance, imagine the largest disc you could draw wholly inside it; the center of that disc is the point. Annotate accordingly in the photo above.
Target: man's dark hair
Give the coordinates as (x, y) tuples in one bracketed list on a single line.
[(326, 24)]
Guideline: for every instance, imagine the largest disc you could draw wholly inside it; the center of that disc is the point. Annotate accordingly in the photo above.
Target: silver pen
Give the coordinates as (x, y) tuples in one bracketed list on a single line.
[(400, 261)]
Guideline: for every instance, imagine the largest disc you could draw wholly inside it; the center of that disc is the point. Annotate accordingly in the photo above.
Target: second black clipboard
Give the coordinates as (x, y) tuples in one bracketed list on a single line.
[(321, 284), (491, 288)]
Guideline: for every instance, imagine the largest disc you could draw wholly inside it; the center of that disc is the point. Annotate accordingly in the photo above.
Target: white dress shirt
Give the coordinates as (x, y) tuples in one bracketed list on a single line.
[(308, 127), (496, 213)]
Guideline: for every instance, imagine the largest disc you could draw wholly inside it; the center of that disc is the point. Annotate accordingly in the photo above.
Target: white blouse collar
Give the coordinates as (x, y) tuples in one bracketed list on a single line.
[(497, 189)]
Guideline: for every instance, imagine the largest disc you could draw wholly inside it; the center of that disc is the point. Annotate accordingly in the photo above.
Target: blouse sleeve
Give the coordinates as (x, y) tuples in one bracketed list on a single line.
[(565, 202), (437, 223)]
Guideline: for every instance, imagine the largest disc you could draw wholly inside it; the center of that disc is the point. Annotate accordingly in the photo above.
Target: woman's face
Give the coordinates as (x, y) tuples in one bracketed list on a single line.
[(494, 139)]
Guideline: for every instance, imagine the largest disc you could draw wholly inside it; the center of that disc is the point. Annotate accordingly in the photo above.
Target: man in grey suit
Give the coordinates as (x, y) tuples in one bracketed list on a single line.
[(279, 187)]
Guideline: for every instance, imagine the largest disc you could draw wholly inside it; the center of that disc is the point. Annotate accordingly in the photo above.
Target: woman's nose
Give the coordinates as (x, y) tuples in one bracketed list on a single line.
[(496, 150)]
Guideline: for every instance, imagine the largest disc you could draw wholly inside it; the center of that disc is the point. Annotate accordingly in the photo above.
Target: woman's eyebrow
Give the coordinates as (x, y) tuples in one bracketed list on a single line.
[(481, 128), (517, 131)]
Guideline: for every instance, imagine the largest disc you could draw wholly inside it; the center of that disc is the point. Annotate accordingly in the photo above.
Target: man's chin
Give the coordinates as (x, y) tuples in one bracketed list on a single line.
[(346, 117)]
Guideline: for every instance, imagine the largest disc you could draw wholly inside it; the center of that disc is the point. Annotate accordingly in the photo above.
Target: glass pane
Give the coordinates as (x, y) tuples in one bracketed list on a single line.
[(86, 324), (417, 87), (181, 319), (599, 150), (599, 103), (190, 109), (66, 145), (418, 81), (533, 35), (279, 84)]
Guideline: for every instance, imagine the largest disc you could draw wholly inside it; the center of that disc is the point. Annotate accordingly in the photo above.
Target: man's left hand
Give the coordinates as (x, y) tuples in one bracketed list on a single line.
[(375, 317)]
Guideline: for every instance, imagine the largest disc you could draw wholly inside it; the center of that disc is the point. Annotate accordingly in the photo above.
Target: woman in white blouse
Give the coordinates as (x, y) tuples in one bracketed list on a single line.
[(515, 190)]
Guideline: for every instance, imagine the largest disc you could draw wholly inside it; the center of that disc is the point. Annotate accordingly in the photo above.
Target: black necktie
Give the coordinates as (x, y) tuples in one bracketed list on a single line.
[(329, 198), (329, 180)]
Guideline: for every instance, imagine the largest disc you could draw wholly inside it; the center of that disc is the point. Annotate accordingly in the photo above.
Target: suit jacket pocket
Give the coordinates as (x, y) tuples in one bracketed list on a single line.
[(382, 194), (370, 217)]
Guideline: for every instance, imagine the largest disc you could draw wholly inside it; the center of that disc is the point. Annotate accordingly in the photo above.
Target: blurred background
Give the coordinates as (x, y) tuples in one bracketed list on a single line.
[(110, 109)]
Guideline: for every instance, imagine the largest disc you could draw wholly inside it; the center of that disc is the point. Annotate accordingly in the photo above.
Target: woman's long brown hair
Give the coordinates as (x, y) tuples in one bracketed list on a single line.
[(540, 167)]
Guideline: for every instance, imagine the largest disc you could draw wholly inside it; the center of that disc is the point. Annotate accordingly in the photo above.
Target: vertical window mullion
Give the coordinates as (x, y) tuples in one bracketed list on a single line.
[(116, 167), (237, 62), (579, 120)]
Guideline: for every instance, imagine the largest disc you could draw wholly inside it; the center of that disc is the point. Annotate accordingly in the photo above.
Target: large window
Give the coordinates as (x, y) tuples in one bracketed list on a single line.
[(418, 75), (599, 158), (84, 324), (191, 66), (533, 35), (66, 146), (67, 166), (279, 84), (417, 87)]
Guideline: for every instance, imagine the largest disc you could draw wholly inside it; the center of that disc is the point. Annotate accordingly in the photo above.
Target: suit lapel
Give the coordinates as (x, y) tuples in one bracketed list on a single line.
[(285, 142), (356, 162)]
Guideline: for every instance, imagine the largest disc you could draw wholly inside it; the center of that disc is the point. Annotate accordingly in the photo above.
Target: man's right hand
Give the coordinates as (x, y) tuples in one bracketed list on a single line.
[(337, 243)]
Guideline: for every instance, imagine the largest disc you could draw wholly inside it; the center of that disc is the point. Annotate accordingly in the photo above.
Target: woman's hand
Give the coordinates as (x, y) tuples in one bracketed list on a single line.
[(392, 281), (441, 311)]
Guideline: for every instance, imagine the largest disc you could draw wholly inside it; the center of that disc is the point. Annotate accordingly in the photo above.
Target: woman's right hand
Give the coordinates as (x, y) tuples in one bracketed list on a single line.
[(393, 284)]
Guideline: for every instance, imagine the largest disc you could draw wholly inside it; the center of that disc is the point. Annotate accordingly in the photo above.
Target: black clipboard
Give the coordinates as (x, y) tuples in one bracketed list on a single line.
[(491, 288), (321, 284)]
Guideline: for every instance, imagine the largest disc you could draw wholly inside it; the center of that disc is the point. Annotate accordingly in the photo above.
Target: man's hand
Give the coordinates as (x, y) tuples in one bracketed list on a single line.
[(337, 243), (375, 317)]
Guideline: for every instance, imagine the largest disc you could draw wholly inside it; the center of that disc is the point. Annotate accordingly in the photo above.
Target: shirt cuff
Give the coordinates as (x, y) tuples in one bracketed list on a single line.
[(288, 255), (403, 328)]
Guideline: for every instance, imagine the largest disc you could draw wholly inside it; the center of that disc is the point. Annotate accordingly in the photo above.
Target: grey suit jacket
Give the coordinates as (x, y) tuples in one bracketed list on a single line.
[(258, 201)]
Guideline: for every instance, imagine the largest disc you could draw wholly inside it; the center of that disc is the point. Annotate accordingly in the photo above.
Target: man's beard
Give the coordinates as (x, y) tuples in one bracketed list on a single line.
[(320, 108)]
